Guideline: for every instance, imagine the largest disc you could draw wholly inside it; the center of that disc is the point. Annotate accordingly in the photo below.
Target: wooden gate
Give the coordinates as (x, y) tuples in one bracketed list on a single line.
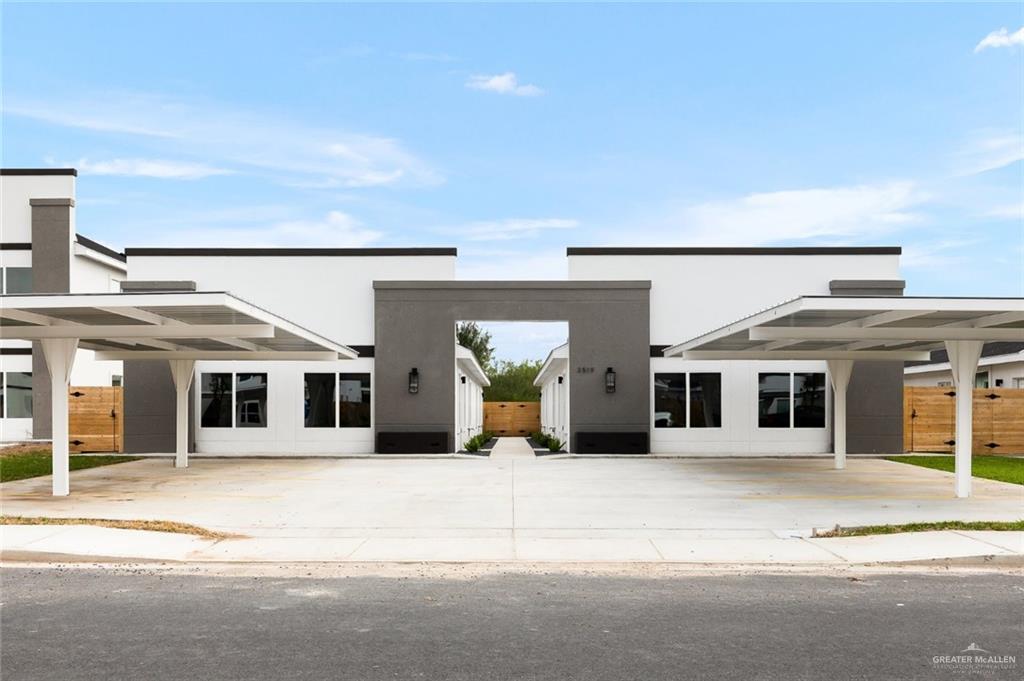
[(929, 420), (512, 418), (95, 422)]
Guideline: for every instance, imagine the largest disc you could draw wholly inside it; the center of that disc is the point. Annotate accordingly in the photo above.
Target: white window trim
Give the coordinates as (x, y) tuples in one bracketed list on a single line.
[(792, 401), (337, 394), (234, 412), (686, 402)]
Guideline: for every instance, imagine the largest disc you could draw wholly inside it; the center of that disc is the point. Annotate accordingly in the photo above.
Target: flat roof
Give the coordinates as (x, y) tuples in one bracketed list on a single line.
[(39, 171), (734, 250), (289, 252), (868, 327), (163, 325)]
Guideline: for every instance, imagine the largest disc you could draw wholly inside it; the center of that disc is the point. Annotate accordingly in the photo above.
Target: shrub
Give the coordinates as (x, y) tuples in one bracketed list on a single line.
[(555, 445), (474, 443)]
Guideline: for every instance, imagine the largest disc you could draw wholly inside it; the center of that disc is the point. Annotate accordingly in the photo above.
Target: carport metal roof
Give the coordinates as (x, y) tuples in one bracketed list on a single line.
[(180, 327), (859, 327), (163, 325), (842, 329)]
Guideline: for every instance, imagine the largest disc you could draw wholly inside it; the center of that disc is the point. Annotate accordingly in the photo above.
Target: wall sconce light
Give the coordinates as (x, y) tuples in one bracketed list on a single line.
[(462, 380), (560, 379), (414, 381), (609, 380)]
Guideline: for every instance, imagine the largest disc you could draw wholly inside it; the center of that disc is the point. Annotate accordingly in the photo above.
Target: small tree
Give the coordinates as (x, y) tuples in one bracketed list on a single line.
[(471, 335), (513, 382)]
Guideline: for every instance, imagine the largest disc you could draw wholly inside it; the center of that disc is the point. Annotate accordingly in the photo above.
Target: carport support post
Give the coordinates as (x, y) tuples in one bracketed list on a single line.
[(60, 357), (963, 360), (181, 371), (839, 371)]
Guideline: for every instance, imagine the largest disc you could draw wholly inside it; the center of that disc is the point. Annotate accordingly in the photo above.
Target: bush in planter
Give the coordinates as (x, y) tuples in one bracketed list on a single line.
[(554, 444)]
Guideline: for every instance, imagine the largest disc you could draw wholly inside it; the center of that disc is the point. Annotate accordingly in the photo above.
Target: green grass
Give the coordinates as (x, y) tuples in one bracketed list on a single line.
[(1002, 468), (999, 525), (34, 464)]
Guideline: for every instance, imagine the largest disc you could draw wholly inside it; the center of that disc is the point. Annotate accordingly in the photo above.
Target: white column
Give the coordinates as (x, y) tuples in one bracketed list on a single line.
[(963, 360), (839, 371), (181, 371), (60, 357)]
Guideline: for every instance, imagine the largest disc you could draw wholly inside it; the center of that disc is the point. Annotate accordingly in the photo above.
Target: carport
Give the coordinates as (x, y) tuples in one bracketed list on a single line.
[(843, 329), (180, 327)]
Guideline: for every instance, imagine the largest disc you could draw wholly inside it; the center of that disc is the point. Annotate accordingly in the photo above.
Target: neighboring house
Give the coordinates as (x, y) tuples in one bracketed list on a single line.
[(609, 389), (553, 381), (470, 381), (1001, 366), (40, 252)]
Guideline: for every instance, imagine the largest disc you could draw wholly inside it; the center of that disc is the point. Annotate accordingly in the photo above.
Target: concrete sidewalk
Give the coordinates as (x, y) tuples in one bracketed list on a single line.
[(724, 511), (732, 548)]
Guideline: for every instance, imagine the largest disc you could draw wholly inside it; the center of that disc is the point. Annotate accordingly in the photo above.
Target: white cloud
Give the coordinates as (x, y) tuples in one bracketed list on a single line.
[(792, 215), (504, 84), (337, 229), (990, 150), (1001, 38), (1007, 212), (934, 254), (290, 152), (512, 228), (142, 167)]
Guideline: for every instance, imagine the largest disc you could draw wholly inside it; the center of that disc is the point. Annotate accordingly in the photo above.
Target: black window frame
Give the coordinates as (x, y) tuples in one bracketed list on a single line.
[(791, 400)]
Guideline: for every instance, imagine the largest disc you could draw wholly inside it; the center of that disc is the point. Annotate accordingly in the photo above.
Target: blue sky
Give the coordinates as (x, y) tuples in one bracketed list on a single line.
[(513, 131)]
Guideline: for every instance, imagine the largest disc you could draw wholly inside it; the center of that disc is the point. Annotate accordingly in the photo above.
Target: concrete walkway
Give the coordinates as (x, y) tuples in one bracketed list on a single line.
[(738, 511), (512, 448)]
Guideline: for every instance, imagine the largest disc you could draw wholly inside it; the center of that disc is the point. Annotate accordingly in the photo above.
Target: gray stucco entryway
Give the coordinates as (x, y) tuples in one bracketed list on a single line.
[(609, 326)]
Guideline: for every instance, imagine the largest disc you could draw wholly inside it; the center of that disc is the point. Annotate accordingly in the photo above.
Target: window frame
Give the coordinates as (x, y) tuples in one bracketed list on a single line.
[(686, 402), (5, 402), (792, 401), (336, 401), (234, 401)]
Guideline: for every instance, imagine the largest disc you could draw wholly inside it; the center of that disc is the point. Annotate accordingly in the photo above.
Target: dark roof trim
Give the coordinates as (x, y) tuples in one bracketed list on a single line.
[(69, 203), (15, 351), (558, 285), (100, 248), (743, 250), (291, 252), (16, 246), (39, 171)]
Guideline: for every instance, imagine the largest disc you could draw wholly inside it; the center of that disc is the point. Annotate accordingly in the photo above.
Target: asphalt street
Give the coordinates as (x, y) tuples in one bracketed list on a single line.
[(110, 624)]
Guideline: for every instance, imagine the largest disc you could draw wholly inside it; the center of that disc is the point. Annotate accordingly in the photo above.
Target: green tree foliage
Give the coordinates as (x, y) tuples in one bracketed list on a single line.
[(471, 335), (513, 382)]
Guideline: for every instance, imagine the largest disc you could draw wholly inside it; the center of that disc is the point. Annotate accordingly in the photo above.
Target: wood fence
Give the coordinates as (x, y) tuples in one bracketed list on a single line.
[(929, 420), (512, 418), (95, 419)]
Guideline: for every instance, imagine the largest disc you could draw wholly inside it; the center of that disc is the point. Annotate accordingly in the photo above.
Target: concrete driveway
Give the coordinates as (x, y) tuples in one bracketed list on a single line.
[(543, 509)]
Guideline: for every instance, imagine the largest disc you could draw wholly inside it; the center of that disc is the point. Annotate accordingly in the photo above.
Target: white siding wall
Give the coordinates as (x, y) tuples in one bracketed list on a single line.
[(15, 211), (739, 433), (554, 407), (332, 296), (285, 433), (694, 294)]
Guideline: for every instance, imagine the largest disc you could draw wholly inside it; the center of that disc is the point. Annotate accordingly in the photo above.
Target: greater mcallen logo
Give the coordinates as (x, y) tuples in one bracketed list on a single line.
[(974, 659)]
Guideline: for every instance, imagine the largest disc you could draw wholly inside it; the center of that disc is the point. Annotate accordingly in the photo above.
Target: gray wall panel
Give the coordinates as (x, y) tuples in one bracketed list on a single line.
[(874, 408), (148, 407), (51, 273), (609, 326)]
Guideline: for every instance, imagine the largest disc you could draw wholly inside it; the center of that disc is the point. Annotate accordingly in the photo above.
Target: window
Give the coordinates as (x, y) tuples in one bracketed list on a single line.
[(233, 400), (117, 380), (16, 395), (353, 400), (692, 400), (945, 384), (981, 379), (16, 280), (215, 405), (319, 401), (808, 400), (250, 400), (1018, 381), (351, 393), (786, 400)]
